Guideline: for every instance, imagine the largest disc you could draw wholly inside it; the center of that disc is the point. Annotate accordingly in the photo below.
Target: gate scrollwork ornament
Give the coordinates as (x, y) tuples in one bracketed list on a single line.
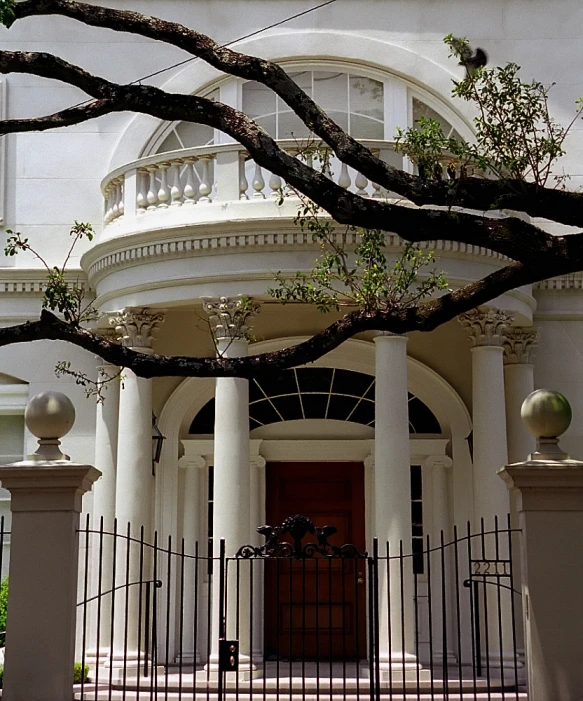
[(298, 527)]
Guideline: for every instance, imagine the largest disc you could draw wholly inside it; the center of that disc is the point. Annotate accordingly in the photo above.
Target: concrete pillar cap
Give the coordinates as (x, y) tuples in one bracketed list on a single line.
[(49, 416)]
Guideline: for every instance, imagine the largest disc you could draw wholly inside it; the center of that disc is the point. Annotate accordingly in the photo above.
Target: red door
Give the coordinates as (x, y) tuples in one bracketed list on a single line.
[(315, 607)]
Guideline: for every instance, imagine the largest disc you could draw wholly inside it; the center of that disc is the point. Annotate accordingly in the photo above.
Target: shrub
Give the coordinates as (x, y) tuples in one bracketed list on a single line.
[(80, 673), (3, 609)]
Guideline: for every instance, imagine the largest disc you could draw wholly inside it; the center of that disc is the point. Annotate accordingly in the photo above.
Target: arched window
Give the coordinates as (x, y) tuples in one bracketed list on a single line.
[(316, 393), (367, 107)]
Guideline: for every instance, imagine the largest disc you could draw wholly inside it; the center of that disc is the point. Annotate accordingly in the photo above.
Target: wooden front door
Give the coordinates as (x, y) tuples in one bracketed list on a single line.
[(315, 607)]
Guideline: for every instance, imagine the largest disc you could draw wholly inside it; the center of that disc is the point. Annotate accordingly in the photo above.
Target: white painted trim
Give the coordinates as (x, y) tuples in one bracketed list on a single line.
[(13, 399), (329, 450), (2, 151)]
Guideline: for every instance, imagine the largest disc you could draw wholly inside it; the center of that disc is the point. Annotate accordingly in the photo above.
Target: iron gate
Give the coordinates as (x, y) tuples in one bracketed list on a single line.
[(301, 616)]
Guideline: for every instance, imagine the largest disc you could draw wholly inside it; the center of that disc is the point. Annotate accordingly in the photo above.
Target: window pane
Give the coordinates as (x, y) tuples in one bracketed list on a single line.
[(195, 134), (420, 109), (331, 90), (170, 143), (291, 126), (257, 99), (303, 79), (367, 97), (12, 443), (366, 128)]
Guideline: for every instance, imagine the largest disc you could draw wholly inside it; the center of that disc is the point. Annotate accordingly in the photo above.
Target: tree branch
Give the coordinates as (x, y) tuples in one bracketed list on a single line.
[(472, 193), (424, 317), (509, 236)]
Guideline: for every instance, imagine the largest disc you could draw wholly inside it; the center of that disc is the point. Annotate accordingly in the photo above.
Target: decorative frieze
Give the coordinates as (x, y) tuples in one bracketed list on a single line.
[(520, 344), (137, 327), (438, 461), (229, 317), (486, 325)]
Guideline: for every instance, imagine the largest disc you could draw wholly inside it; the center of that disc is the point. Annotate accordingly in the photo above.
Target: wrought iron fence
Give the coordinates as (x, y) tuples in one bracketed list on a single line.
[(301, 617)]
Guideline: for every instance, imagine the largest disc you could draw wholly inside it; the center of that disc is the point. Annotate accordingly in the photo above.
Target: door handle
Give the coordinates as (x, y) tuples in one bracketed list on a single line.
[(360, 579)]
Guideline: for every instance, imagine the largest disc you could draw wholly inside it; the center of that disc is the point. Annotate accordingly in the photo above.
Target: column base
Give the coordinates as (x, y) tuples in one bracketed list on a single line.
[(505, 669), (187, 658), (247, 670), (131, 665), (402, 667)]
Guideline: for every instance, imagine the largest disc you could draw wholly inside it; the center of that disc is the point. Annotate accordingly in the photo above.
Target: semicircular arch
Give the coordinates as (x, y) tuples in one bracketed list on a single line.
[(370, 56)]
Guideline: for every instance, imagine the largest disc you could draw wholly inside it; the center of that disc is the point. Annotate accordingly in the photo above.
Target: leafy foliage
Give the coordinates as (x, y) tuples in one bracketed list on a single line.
[(80, 673), (365, 277), (3, 609), (59, 294), (7, 12)]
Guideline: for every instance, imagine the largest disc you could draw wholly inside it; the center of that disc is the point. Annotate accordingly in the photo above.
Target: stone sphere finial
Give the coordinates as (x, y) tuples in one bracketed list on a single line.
[(547, 415), (49, 416)]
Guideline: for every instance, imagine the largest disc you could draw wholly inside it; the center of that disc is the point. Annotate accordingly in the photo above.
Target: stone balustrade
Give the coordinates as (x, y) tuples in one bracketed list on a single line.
[(222, 172)]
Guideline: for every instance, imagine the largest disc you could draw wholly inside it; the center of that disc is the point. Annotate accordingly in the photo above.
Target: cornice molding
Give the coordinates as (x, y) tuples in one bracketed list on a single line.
[(19, 281), (573, 281), (148, 247)]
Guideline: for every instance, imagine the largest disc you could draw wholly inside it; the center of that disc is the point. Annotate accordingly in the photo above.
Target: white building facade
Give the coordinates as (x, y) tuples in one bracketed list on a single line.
[(184, 216)]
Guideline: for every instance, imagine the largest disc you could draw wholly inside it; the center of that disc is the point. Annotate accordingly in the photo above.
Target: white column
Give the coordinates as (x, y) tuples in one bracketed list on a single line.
[(232, 496), (257, 519), (435, 468), (134, 484), (106, 436), (519, 349), (392, 490), (191, 532), (487, 326)]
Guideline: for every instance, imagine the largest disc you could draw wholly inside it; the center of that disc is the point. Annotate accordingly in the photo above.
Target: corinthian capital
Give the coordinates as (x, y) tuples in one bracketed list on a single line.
[(229, 317), (137, 327), (520, 345), (486, 325)]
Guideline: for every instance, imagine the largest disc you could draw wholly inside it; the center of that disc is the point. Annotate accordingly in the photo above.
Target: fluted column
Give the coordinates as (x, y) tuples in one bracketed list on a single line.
[(232, 495), (106, 437), (135, 483), (519, 348), (193, 467), (435, 473), (486, 328), (257, 519), (392, 492)]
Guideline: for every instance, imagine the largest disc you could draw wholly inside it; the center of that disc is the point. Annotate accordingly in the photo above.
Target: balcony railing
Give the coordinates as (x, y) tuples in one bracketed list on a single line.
[(218, 173), (221, 173)]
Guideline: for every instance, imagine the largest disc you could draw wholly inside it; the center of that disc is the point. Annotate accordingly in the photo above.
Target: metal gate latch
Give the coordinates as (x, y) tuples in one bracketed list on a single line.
[(228, 655)]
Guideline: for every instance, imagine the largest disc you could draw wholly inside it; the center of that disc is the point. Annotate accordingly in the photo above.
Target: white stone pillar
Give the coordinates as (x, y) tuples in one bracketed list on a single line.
[(257, 519), (232, 497), (435, 469), (106, 436), (519, 349), (392, 490), (486, 326), (191, 532), (134, 486), (46, 492), (550, 503)]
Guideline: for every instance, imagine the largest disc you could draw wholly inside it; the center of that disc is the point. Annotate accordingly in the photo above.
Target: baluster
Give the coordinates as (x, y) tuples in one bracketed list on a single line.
[(361, 182), (121, 205), (108, 203), (258, 182), (164, 191), (243, 184), (152, 196), (205, 186), (190, 187), (344, 179), (377, 191), (114, 201), (141, 201), (176, 189), (275, 183)]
